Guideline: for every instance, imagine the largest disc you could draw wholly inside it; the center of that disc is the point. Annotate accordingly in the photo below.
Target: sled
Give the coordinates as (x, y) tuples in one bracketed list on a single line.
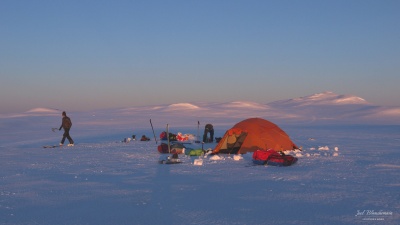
[(170, 160), (272, 158)]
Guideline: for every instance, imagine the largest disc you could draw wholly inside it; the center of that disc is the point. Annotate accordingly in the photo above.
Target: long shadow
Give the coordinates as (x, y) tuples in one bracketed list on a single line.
[(161, 197)]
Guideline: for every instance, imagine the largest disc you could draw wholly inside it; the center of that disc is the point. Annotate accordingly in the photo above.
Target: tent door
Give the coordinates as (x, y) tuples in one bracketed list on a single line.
[(234, 144)]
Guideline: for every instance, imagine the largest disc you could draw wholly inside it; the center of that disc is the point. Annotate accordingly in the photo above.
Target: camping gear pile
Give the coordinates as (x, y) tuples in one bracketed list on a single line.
[(265, 139), (185, 137), (163, 136)]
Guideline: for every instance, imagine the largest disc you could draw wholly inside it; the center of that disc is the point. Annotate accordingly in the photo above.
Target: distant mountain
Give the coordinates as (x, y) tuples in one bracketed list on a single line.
[(324, 98), (325, 107), (43, 110), (320, 108), (33, 112), (328, 107), (181, 107), (243, 105)]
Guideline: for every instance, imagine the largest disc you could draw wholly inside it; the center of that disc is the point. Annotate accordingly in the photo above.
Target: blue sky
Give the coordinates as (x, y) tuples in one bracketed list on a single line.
[(84, 55)]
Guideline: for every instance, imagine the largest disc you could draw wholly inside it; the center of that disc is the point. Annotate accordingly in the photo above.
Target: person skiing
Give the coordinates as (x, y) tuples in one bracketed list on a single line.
[(66, 125)]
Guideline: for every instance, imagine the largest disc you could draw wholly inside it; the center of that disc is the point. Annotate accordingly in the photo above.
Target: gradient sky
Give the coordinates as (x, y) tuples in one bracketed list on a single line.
[(83, 55)]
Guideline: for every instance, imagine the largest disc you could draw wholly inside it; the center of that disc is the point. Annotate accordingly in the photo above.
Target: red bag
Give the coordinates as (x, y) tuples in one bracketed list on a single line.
[(281, 160), (273, 158), (263, 155), (163, 148)]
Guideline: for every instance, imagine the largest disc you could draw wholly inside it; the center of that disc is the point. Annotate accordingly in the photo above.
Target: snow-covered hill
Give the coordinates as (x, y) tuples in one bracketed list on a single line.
[(328, 107), (325, 107), (40, 111), (324, 98)]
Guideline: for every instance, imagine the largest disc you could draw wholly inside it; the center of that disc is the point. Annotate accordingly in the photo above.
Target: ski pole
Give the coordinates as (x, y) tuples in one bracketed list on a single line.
[(169, 146), (153, 132), (198, 132)]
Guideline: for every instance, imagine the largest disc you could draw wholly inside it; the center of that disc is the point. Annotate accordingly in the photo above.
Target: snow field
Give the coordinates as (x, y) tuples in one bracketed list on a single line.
[(102, 180)]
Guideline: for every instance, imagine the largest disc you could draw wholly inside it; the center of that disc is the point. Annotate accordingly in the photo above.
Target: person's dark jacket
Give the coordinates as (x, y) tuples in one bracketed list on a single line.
[(66, 123)]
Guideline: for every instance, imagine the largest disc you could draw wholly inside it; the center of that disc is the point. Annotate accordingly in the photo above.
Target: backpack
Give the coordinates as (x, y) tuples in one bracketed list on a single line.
[(163, 148), (163, 136), (68, 122)]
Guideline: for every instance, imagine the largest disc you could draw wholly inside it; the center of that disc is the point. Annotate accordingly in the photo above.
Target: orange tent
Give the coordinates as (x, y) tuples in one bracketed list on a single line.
[(252, 134)]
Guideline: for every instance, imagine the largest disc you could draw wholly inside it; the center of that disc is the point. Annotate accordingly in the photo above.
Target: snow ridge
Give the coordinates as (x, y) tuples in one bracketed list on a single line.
[(43, 110), (324, 98), (182, 106), (244, 104), (325, 107)]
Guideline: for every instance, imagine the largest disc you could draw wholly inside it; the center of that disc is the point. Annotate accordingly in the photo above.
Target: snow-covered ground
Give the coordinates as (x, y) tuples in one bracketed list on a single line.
[(346, 174)]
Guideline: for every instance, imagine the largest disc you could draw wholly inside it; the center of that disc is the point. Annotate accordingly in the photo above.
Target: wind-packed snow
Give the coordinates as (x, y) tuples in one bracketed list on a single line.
[(346, 173)]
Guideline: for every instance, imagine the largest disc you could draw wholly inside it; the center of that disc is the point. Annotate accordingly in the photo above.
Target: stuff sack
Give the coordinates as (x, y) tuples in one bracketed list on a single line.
[(272, 158), (281, 160), (195, 152), (262, 155), (175, 148), (163, 136), (163, 148)]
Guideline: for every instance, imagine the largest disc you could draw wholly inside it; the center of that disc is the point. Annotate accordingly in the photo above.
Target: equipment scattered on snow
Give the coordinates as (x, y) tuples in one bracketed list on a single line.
[(144, 138), (195, 152), (51, 146), (127, 140), (172, 137), (177, 148), (171, 160), (57, 146), (198, 162)]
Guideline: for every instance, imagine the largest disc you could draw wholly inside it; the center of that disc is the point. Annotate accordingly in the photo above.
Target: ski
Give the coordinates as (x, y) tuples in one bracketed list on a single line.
[(51, 146), (169, 161), (56, 146)]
